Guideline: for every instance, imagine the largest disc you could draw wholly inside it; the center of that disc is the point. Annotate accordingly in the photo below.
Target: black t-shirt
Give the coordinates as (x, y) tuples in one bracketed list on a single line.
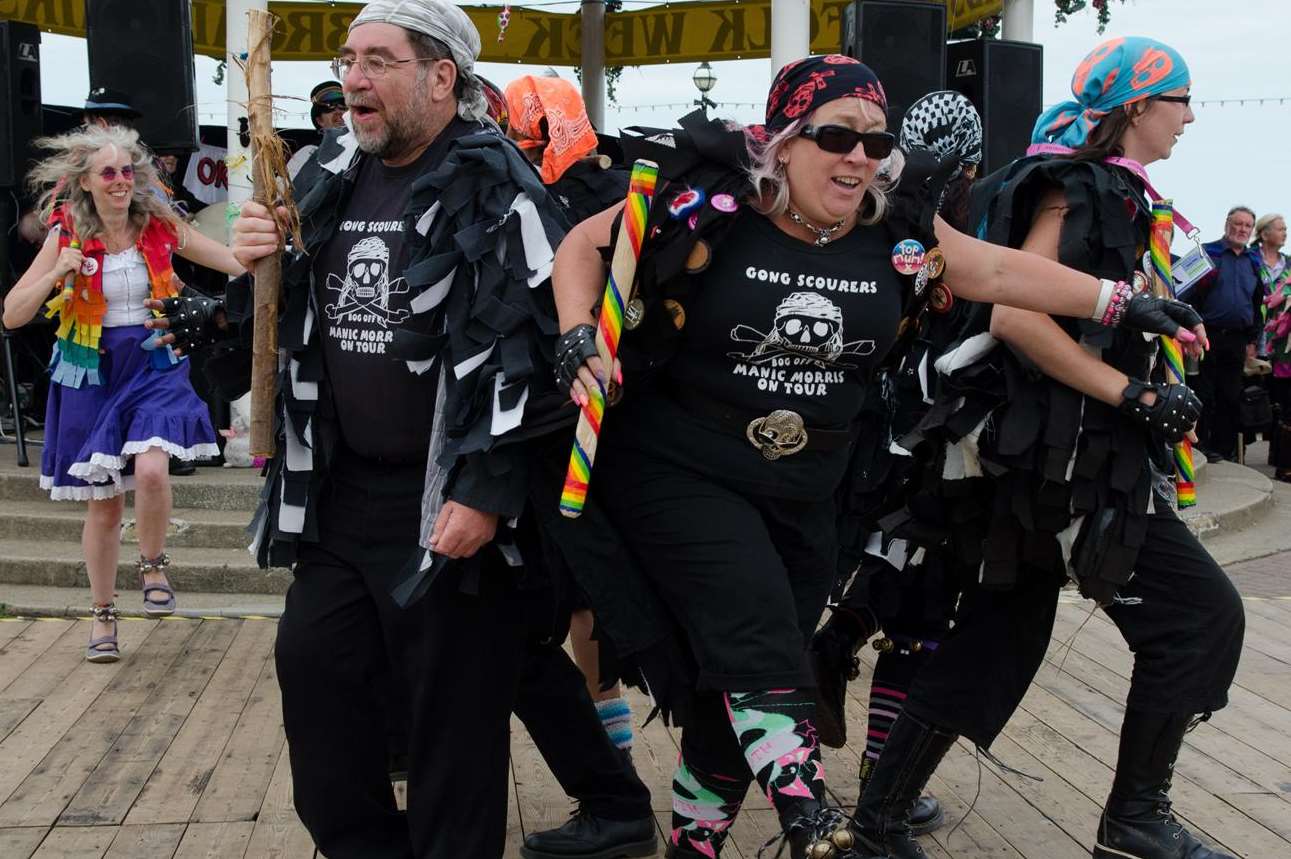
[(383, 408), (776, 323)]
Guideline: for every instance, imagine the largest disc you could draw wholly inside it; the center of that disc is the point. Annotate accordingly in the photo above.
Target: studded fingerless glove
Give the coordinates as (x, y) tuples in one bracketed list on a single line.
[(1172, 415), (573, 349), (192, 320)]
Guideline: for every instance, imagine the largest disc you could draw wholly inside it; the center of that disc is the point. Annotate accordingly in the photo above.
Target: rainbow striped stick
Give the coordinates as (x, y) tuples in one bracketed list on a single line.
[(619, 288), (1163, 285)]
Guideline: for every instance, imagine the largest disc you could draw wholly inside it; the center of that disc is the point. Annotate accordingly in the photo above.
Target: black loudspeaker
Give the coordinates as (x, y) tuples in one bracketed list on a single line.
[(1004, 80), (144, 49), (904, 42), (20, 113)]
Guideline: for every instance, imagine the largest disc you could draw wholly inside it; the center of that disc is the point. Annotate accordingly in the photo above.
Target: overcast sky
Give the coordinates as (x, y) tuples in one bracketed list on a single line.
[(1235, 48)]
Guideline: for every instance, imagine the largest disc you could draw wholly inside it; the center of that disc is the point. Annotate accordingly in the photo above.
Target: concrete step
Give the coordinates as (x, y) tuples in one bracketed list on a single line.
[(208, 489), (1230, 497), (44, 601), (60, 564), (60, 521)]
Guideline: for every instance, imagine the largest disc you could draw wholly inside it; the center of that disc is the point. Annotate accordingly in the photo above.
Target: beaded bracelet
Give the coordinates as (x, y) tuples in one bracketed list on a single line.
[(1117, 304)]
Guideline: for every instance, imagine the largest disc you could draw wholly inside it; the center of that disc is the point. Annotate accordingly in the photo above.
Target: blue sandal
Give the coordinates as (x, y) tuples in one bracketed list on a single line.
[(152, 606), (104, 649)]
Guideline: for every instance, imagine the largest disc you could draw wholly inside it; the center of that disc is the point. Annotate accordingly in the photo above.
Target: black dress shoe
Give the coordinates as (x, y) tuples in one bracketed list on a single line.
[(586, 836), (181, 468)]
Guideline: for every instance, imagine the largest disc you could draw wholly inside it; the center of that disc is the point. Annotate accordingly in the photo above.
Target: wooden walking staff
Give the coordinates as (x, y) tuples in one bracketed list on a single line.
[(619, 289), (1163, 286), (271, 188)]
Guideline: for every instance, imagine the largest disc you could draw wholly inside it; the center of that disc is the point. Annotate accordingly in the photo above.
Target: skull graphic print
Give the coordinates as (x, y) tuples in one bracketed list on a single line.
[(363, 294), (808, 329)]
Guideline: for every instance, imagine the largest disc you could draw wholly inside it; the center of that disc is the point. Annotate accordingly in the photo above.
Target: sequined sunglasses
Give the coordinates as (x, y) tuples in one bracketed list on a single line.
[(840, 140), (109, 174)]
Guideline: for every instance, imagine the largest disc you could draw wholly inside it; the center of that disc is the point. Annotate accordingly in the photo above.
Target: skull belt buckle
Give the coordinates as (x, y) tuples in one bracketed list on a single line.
[(780, 433)]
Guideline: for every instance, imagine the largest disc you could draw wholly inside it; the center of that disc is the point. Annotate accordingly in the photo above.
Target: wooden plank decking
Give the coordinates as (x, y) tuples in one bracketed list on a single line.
[(110, 761)]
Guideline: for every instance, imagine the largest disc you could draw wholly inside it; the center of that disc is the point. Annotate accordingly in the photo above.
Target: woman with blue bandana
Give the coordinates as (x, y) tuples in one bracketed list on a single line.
[(1045, 470)]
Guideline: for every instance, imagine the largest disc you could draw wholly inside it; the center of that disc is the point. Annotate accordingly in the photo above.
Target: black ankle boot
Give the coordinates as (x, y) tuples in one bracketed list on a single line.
[(1137, 822), (908, 760), (926, 815), (815, 831), (834, 662)]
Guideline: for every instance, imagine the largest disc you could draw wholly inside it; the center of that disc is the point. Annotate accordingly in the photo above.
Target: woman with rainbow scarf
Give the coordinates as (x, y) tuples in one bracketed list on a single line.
[(120, 404), (1041, 478)]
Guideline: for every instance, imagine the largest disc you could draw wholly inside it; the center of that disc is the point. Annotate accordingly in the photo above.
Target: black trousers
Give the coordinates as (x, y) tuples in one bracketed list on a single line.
[(1179, 613), (442, 677), (1220, 389)]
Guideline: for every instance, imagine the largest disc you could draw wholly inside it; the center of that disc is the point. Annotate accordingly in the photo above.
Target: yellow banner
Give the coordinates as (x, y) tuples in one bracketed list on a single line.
[(678, 33)]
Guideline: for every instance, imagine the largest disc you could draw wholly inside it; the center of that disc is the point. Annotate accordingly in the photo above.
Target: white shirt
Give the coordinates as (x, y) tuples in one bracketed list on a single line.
[(126, 288)]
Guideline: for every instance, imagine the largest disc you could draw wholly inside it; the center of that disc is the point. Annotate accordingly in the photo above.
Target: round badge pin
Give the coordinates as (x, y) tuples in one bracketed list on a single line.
[(941, 299), (676, 311), (725, 203), (934, 262), (907, 256), (699, 257), (694, 219), (685, 203), (89, 265), (633, 314)]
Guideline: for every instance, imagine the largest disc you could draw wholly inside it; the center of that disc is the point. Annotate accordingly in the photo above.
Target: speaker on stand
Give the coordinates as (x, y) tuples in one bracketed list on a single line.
[(1005, 82), (20, 122), (145, 50), (904, 42)]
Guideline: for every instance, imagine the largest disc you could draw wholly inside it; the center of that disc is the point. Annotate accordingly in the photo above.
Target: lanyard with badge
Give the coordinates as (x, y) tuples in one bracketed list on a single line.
[(1188, 269), (1195, 264)]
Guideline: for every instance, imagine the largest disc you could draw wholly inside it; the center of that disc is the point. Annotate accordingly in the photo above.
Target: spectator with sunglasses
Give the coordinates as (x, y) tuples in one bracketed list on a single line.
[(783, 267), (120, 404)]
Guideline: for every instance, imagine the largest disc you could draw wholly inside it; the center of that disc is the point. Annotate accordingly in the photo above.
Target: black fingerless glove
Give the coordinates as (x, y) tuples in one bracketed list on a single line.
[(1174, 413), (193, 320), (1152, 315), (573, 349)]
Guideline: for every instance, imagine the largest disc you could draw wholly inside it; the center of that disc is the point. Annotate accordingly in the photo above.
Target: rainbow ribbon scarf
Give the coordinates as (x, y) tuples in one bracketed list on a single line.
[(1163, 285), (610, 328)]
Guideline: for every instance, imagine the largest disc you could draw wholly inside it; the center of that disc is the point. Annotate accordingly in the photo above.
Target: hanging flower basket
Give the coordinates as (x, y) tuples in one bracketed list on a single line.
[(1065, 8)]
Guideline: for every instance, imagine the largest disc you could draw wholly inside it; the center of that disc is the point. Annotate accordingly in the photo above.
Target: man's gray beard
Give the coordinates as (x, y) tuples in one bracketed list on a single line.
[(398, 134)]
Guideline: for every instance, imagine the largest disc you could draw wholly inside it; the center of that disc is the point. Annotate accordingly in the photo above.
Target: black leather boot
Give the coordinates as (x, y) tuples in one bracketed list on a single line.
[(586, 836), (1137, 822), (815, 831), (927, 813), (909, 759), (834, 662)]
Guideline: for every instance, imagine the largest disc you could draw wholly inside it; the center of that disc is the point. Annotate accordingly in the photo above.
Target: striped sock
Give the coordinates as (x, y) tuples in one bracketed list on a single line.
[(616, 718)]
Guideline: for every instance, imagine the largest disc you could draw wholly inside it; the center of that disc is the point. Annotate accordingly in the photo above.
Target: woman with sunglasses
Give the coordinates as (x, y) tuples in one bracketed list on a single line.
[(780, 271), (120, 405), (1051, 475)]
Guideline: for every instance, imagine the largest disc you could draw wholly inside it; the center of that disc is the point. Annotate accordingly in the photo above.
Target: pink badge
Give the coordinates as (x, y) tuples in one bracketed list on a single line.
[(694, 219), (725, 203), (907, 256)]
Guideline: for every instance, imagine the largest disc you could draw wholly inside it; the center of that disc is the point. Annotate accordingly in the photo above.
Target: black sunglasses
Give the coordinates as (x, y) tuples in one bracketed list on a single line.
[(840, 140), (1175, 99)]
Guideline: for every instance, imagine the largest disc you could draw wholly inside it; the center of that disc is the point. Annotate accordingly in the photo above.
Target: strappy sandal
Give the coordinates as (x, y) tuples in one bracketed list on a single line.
[(105, 648), (152, 606)]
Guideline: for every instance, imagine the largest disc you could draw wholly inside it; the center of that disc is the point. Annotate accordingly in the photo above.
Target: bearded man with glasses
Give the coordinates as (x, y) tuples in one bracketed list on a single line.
[(415, 317)]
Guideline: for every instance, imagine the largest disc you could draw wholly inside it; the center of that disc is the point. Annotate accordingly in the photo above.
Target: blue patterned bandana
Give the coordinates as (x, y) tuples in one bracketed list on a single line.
[(1118, 72)]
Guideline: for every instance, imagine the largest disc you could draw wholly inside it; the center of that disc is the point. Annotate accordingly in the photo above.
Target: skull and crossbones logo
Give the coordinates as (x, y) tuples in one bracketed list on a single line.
[(808, 327), (366, 287)]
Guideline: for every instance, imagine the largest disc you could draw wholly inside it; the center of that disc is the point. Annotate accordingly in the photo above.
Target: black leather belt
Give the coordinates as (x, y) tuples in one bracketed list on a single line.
[(780, 433)]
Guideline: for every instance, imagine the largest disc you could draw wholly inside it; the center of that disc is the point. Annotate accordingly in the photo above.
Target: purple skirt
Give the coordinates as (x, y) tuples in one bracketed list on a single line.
[(93, 431)]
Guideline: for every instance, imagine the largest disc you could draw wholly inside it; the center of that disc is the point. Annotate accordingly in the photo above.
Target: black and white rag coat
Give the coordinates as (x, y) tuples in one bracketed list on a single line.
[(480, 240)]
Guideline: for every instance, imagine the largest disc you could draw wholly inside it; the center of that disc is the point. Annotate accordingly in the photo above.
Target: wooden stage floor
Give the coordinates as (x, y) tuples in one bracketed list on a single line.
[(106, 761)]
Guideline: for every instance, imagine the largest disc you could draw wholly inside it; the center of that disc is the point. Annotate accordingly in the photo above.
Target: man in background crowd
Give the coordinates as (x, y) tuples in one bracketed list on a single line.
[(1228, 299)]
